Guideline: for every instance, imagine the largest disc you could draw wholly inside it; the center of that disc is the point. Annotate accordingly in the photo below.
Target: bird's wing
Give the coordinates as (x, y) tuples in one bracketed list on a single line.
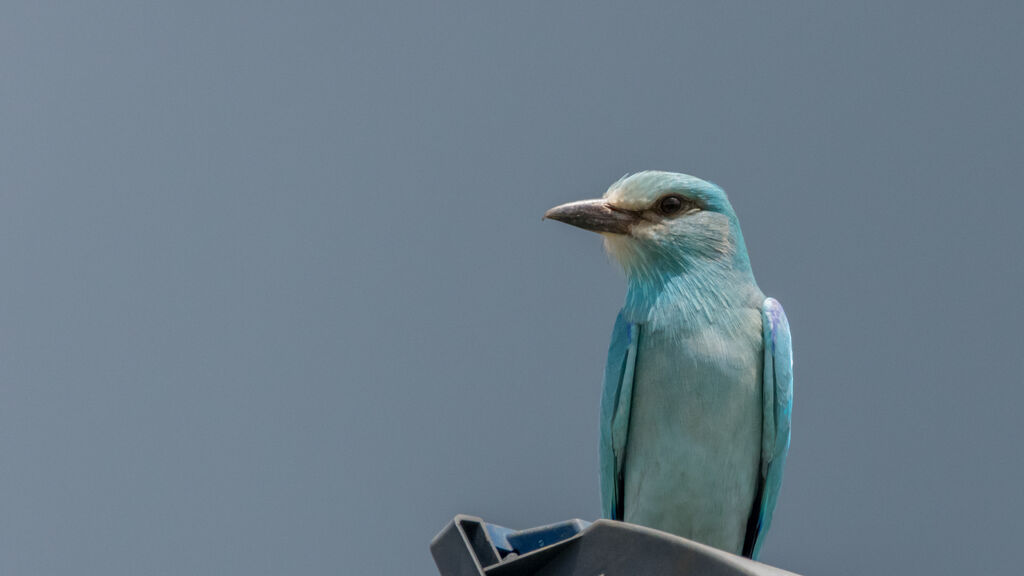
[(778, 407), (616, 397)]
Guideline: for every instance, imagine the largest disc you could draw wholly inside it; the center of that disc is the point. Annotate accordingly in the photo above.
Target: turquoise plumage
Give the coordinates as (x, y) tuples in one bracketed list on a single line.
[(698, 388)]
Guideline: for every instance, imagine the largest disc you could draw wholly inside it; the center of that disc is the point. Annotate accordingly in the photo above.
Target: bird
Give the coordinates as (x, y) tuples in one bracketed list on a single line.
[(698, 387)]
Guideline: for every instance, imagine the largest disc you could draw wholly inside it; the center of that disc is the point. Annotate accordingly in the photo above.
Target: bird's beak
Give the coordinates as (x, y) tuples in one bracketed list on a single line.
[(594, 215)]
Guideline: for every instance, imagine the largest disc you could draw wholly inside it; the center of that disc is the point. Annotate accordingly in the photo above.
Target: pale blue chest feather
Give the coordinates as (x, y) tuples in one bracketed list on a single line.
[(693, 450)]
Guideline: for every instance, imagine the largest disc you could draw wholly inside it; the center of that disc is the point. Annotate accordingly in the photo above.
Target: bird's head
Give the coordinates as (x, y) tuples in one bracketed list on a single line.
[(662, 222)]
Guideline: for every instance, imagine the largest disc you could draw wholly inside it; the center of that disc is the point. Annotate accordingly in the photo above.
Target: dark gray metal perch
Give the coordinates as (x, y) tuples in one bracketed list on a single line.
[(468, 546)]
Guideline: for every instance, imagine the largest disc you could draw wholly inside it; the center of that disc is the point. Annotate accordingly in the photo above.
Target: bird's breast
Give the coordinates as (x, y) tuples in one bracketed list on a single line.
[(693, 449)]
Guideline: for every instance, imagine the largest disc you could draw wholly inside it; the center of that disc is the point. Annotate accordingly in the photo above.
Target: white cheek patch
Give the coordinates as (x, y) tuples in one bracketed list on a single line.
[(705, 236), (623, 249)]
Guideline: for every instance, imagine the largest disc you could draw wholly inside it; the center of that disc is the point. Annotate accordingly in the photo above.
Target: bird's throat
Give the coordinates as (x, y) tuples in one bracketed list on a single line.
[(675, 300)]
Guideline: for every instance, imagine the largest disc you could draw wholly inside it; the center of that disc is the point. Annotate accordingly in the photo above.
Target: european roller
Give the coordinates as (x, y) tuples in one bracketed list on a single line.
[(698, 388)]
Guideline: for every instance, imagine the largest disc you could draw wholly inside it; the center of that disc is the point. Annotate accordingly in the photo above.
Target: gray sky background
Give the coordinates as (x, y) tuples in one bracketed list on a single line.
[(277, 297)]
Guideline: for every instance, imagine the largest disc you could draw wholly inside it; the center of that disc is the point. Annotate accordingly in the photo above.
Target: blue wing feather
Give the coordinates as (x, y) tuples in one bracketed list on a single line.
[(778, 408), (616, 397)]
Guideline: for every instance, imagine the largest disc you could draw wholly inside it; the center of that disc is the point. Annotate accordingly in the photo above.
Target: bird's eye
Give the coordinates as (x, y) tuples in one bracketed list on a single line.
[(671, 204)]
